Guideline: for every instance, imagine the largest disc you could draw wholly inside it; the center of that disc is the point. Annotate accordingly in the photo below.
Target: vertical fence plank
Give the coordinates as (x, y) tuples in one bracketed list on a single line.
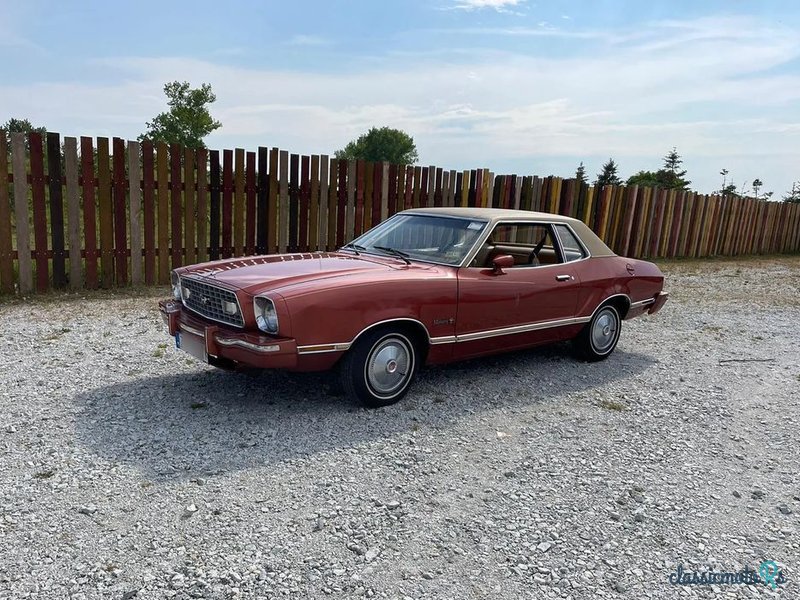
[(149, 212), (189, 215), (250, 202), (176, 205), (333, 217), (6, 247), (106, 213), (313, 216), (341, 202), (384, 212), (423, 187), (367, 182), (119, 182), (39, 211), (238, 203), (324, 190), (227, 204), (215, 206), (351, 199), (162, 182), (135, 199), (56, 210), (202, 204), (304, 203), (394, 188), (377, 184), (262, 221), (294, 200), (283, 203), (73, 208), (631, 198), (18, 159), (272, 202), (89, 211), (408, 188)]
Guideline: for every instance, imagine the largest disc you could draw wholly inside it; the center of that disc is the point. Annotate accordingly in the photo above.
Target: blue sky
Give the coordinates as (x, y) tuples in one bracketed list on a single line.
[(513, 85)]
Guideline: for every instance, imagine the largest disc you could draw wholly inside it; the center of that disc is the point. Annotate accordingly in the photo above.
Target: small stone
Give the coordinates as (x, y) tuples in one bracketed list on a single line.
[(189, 511), (356, 549), (372, 554), (737, 494), (638, 517), (129, 595), (544, 546), (785, 509), (88, 510), (757, 494), (615, 516), (393, 505), (427, 575), (339, 572), (319, 524), (620, 587)]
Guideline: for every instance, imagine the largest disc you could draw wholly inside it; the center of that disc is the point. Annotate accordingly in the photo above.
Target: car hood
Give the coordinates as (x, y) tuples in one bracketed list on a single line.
[(258, 274)]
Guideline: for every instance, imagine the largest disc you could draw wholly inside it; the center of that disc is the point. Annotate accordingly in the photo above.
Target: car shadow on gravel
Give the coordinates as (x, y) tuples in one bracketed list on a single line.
[(206, 421)]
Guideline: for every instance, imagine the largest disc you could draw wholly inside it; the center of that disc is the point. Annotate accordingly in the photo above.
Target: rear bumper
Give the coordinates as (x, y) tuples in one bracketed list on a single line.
[(660, 300), (222, 343)]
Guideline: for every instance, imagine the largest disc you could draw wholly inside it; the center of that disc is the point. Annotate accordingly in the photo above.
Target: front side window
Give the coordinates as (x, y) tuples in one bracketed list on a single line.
[(428, 238)]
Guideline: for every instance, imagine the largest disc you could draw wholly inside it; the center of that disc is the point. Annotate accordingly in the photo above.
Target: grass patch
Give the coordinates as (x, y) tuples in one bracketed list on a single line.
[(44, 474), (198, 405), (613, 405)]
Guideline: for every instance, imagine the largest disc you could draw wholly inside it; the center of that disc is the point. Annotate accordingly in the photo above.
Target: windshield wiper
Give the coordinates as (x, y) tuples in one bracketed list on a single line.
[(354, 247), (393, 251)]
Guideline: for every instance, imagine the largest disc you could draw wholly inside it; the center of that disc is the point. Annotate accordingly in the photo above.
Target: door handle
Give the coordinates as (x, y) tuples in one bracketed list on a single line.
[(563, 277)]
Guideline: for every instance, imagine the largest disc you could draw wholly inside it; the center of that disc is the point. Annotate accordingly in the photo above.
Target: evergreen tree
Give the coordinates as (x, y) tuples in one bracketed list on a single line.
[(608, 174), (580, 173), (794, 194), (757, 183), (672, 175)]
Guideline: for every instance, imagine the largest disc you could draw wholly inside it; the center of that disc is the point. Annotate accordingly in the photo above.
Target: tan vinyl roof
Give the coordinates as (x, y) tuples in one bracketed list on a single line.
[(593, 243)]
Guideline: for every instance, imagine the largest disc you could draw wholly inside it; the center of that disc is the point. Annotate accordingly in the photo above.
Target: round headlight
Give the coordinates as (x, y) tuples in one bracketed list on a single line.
[(266, 315), (176, 285)]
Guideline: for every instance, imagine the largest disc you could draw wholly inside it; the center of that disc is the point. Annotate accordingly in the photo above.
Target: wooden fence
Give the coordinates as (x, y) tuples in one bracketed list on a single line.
[(109, 213)]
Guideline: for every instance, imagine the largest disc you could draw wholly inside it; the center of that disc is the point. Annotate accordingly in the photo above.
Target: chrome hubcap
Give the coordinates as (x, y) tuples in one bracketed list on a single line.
[(604, 330), (388, 366)]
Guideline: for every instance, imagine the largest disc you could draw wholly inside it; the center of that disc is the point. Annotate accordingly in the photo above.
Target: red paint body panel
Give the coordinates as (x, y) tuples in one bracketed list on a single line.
[(325, 300)]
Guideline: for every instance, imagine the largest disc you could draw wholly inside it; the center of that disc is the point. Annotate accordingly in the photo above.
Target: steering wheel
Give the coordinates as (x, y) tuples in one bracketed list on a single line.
[(534, 255)]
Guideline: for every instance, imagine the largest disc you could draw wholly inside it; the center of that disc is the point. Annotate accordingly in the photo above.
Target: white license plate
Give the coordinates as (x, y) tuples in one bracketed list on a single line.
[(191, 344)]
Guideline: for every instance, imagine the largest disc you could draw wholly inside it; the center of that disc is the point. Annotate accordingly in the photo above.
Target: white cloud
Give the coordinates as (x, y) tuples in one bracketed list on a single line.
[(723, 98), (498, 5), (308, 40)]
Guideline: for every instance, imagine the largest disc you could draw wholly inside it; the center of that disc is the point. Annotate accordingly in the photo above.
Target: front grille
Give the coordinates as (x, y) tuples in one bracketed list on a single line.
[(206, 300)]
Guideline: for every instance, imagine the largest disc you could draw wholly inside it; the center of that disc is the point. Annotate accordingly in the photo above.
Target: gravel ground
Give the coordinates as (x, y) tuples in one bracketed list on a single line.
[(128, 470)]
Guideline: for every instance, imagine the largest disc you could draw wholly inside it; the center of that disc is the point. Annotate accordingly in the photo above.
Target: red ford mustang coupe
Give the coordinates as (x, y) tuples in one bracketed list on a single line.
[(431, 285)]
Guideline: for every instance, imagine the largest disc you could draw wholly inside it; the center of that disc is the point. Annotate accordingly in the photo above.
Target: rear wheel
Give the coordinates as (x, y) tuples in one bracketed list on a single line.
[(379, 368), (600, 336)]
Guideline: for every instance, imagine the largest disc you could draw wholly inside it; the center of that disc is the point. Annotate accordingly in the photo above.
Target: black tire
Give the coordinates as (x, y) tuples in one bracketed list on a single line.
[(598, 339), (379, 368)]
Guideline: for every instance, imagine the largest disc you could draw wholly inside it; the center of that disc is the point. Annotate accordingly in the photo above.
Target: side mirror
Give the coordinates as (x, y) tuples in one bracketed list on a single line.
[(502, 261)]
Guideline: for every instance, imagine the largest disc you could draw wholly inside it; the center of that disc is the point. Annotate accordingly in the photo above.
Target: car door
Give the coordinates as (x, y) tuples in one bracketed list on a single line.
[(525, 305)]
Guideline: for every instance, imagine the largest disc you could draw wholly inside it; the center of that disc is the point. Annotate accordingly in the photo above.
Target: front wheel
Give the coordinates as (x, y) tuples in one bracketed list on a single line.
[(600, 336), (379, 368)]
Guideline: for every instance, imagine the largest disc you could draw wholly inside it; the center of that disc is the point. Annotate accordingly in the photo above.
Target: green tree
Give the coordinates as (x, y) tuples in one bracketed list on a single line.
[(20, 126), (646, 179), (672, 175), (608, 174), (188, 119), (794, 194), (384, 143), (757, 183), (580, 173)]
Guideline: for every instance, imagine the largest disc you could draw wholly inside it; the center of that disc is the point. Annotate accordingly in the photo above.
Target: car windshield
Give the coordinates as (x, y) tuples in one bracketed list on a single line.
[(428, 238)]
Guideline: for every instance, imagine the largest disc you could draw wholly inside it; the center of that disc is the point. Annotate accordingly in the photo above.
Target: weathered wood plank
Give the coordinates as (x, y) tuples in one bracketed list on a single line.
[(359, 217), (408, 199), (394, 188), (238, 203), (294, 200), (324, 206), (272, 200), (39, 211), (135, 210), (21, 222), (56, 210), (73, 207), (106, 213), (89, 212), (251, 217), (305, 202), (384, 212), (341, 200), (313, 215), (351, 200), (162, 180), (202, 204), (375, 189), (215, 204), (333, 172), (227, 247), (176, 205), (262, 204), (119, 205), (283, 202), (6, 248), (149, 212), (189, 215)]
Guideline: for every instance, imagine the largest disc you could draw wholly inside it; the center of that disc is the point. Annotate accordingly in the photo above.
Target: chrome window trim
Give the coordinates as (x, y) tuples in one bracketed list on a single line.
[(586, 252), (204, 280)]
